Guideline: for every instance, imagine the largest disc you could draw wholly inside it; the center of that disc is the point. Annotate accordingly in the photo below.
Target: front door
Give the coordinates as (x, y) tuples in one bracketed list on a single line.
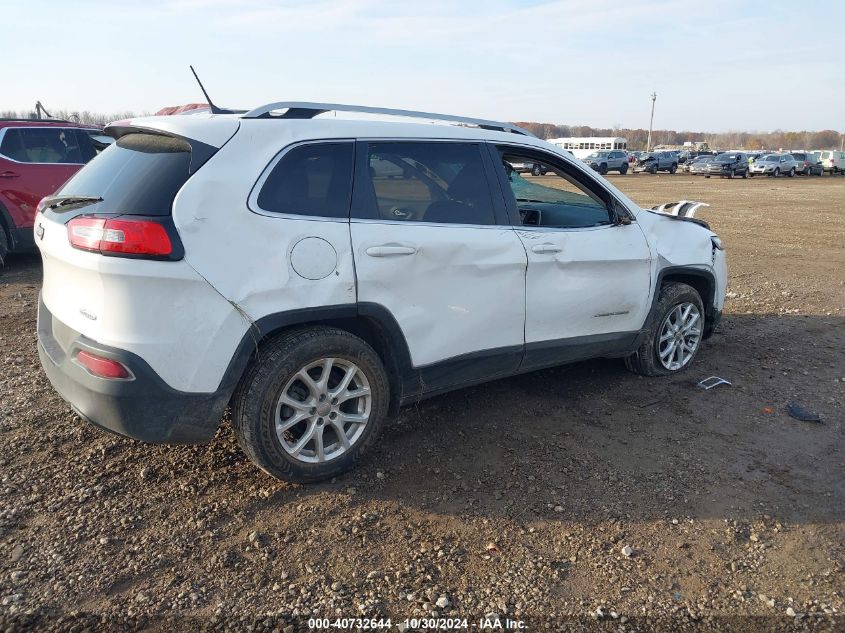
[(588, 279), (434, 247)]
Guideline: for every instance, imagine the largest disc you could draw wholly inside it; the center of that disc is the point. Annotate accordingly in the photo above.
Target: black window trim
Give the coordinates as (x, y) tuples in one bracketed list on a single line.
[(615, 206), (39, 127), (363, 204), (255, 191)]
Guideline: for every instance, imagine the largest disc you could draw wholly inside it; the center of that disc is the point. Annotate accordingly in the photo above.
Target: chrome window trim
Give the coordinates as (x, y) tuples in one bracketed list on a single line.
[(36, 127)]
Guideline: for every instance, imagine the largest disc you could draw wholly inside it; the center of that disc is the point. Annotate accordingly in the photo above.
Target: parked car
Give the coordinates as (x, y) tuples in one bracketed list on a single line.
[(608, 160), (833, 161), (535, 169), (652, 162), (727, 164), (180, 277), (775, 165), (696, 165), (808, 164), (36, 157)]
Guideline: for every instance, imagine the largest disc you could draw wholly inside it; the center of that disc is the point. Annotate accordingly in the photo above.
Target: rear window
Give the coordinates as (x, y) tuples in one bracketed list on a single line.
[(140, 174), (47, 145)]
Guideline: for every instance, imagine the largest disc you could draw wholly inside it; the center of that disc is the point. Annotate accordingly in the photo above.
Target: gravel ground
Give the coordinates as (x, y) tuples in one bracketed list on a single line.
[(577, 498)]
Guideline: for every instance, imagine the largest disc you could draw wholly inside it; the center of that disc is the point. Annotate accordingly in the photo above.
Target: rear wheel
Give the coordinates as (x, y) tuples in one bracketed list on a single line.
[(536, 170), (311, 404), (623, 169), (745, 174), (733, 174), (674, 332), (792, 172), (4, 243), (673, 168)]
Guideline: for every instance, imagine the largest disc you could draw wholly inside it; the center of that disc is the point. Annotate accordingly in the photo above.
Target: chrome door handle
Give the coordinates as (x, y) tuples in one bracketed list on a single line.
[(9, 174), (389, 250), (546, 248)]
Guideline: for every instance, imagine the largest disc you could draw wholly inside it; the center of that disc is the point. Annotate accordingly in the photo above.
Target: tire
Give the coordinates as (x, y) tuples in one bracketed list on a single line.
[(536, 170), (745, 174), (792, 172), (777, 172), (623, 169), (646, 360), (673, 168), (4, 243), (257, 407), (732, 174), (603, 169), (707, 176)]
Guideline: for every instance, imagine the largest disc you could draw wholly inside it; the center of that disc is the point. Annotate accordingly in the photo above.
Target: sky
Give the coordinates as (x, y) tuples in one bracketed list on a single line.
[(716, 65)]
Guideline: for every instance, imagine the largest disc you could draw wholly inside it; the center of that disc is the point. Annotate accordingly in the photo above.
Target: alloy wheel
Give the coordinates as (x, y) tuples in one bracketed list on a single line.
[(679, 337), (322, 411)]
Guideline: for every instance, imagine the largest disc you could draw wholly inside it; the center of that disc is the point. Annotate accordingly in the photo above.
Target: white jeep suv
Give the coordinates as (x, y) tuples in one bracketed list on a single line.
[(316, 273)]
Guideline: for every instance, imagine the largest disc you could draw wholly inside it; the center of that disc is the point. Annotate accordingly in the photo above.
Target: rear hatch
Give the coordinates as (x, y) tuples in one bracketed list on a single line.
[(107, 237)]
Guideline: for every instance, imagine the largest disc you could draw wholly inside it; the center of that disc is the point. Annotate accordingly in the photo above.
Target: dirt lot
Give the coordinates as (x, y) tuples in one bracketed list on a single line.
[(514, 498)]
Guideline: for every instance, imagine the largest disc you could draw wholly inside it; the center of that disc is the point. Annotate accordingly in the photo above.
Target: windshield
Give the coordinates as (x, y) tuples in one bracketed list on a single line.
[(769, 159), (726, 158), (598, 154)]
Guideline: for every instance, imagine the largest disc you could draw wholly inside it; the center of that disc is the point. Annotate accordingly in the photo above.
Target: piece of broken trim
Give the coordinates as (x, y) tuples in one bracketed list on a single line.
[(681, 209), (798, 412), (709, 383)]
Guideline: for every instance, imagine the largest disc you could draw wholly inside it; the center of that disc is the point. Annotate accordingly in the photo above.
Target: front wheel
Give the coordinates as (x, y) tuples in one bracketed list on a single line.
[(777, 172), (536, 170), (674, 332), (311, 404), (733, 174)]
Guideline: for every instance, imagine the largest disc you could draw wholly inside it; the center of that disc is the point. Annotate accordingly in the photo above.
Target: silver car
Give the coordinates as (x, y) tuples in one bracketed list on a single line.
[(608, 160), (774, 165)]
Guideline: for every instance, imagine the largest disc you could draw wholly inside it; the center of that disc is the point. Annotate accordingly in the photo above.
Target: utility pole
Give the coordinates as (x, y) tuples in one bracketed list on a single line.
[(651, 122)]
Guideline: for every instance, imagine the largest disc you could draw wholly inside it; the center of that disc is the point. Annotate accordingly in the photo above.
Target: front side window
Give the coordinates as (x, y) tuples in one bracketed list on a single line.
[(50, 145), (313, 179), (429, 182), (557, 199)]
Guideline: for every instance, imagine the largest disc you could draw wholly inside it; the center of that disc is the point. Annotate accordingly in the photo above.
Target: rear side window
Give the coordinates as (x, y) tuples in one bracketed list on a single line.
[(48, 145), (313, 179), (139, 174), (443, 183)]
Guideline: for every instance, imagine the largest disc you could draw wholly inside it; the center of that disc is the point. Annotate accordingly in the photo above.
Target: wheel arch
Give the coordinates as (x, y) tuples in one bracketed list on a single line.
[(704, 282), (371, 322)]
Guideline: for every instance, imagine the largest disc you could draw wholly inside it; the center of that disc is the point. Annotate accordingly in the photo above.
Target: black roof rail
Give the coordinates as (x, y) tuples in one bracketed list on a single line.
[(308, 110)]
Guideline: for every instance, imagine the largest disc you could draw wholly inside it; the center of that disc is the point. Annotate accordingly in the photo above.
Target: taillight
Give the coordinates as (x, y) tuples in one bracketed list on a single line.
[(119, 236), (102, 367)]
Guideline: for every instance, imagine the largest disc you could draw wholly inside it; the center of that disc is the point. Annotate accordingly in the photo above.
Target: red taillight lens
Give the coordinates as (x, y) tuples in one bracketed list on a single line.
[(129, 237), (102, 367)]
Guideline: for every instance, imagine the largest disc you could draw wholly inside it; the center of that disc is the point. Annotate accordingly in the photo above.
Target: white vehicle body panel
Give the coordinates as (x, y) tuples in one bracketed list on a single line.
[(583, 282), (461, 290), (131, 304)]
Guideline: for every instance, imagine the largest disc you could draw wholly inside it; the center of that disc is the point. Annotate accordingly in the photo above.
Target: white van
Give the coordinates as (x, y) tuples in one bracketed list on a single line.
[(832, 161)]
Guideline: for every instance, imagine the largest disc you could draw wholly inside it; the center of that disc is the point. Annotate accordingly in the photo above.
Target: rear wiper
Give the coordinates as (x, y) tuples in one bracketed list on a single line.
[(58, 202)]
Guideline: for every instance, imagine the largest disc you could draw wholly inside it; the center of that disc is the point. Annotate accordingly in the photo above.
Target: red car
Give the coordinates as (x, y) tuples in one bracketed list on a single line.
[(36, 158)]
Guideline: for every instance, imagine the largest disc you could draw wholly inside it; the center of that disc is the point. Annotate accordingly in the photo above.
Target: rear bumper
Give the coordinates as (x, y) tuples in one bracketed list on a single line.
[(144, 408)]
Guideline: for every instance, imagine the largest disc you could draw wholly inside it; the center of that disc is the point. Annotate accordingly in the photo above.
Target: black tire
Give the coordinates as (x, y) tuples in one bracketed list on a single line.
[(536, 170), (645, 360), (673, 168), (792, 172), (623, 169), (4, 243), (254, 403), (603, 169), (706, 176), (745, 174), (732, 174), (777, 172)]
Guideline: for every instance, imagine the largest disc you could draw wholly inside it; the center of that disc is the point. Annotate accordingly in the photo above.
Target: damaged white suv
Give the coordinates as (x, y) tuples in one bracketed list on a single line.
[(317, 273)]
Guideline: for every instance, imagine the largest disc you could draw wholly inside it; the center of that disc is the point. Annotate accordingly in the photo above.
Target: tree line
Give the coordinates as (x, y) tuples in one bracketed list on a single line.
[(637, 138)]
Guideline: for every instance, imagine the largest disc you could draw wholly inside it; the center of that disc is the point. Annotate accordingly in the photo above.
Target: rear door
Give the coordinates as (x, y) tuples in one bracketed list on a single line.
[(588, 279), (434, 247), (35, 162)]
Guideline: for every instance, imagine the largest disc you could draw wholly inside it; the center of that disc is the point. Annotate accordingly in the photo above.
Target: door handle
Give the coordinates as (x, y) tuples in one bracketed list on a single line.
[(389, 250), (9, 174), (546, 248)]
